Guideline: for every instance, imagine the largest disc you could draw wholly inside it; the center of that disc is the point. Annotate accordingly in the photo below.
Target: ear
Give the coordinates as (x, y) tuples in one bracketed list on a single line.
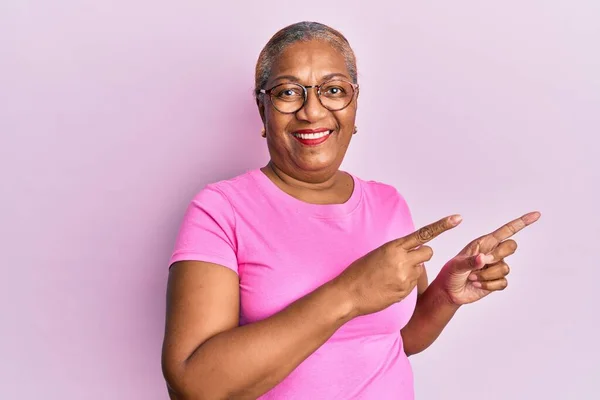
[(261, 107)]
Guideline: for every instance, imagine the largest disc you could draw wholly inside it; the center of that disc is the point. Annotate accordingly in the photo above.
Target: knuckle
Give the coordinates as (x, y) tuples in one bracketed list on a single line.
[(505, 269), (503, 284), (401, 275), (425, 233), (477, 244), (512, 228)]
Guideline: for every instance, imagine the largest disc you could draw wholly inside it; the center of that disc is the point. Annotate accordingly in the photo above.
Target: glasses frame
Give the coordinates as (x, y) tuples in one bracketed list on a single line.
[(269, 92)]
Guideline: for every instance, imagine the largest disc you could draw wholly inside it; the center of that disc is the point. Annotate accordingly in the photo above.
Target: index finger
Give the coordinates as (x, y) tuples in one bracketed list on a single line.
[(429, 232), (514, 226)]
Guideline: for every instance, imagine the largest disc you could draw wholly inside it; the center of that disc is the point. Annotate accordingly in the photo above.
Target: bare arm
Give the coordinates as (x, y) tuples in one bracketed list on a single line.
[(432, 314), (207, 356)]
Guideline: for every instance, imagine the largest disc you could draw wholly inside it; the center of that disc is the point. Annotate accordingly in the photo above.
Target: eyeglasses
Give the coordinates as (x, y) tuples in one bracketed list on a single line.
[(334, 95)]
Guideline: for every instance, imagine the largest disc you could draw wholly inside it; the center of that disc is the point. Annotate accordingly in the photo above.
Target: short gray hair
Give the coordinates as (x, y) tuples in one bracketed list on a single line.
[(301, 32)]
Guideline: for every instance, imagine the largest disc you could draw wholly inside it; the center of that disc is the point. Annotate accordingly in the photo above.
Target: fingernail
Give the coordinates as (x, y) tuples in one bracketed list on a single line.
[(477, 284), (455, 219), (532, 217), (472, 277), (480, 259)]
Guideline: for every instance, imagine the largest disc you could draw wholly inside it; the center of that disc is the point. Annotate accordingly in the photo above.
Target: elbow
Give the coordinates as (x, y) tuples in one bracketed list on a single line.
[(412, 343), (412, 350), (182, 386), (176, 383), (410, 353)]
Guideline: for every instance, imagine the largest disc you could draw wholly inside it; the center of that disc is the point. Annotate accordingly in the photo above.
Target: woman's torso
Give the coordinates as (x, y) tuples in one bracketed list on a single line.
[(287, 248)]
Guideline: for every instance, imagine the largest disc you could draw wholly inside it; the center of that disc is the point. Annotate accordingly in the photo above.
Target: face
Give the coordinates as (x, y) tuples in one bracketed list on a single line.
[(308, 63)]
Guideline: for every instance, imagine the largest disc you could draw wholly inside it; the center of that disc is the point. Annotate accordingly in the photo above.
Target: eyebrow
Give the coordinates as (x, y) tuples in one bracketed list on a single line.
[(295, 79)]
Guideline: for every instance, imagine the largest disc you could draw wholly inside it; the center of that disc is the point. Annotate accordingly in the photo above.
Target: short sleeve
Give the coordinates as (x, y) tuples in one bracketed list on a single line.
[(405, 211), (207, 232), (402, 215)]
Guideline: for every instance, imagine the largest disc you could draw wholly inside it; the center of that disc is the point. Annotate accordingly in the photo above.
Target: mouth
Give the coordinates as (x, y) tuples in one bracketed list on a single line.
[(312, 137)]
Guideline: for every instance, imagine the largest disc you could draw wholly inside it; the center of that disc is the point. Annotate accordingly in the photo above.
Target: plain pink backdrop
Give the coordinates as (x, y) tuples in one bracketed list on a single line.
[(113, 114)]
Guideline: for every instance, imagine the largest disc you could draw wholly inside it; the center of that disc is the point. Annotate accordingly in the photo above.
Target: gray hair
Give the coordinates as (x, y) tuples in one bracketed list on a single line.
[(301, 32)]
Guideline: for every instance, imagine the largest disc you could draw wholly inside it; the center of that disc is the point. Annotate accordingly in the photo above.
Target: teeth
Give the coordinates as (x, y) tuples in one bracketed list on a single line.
[(317, 135)]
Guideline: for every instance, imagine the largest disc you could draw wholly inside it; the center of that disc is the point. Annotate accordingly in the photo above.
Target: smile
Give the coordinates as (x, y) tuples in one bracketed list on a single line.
[(312, 138)]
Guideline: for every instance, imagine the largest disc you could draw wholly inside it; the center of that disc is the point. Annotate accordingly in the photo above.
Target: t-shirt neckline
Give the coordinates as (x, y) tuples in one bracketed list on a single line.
[(325, 211)]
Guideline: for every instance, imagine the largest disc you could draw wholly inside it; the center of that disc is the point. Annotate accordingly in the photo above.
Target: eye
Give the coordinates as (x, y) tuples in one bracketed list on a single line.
[(288, 92), (334, 91)]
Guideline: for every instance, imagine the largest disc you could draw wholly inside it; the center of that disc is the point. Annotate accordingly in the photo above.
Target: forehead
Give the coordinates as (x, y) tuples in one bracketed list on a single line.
[(309, 61)]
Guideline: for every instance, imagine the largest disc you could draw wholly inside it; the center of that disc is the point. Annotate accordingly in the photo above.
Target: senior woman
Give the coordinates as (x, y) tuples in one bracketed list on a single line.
[(301, 281)]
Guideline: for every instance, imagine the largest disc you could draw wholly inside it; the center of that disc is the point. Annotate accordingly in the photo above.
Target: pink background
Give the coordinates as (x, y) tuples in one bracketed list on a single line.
[(113, 114)]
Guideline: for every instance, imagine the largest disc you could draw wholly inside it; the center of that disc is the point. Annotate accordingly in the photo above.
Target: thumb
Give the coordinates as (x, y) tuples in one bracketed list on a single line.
[(471, 263)]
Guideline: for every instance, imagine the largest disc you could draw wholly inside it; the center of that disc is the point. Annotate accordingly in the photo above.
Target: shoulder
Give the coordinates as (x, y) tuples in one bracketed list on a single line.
[(383, 194), (387, 201), (227, 190), (231, 197)]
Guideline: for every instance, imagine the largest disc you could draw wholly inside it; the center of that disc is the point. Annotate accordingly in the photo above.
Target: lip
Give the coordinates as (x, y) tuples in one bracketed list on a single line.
[(317, 130), (312, 142)]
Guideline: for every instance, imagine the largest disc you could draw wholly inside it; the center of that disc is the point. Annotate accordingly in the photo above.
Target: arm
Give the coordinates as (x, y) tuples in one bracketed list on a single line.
[(433, 312), (207, 356)]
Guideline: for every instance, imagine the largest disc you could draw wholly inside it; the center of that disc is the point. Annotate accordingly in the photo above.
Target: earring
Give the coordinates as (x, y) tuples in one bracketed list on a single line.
[(355, 130), (263, 133)]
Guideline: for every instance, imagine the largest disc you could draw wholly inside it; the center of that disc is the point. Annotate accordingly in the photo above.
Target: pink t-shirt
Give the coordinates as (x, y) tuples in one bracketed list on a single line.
[(282, 249)]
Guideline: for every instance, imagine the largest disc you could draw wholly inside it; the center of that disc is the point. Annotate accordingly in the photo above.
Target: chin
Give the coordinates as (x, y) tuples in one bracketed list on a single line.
[(318, 164)]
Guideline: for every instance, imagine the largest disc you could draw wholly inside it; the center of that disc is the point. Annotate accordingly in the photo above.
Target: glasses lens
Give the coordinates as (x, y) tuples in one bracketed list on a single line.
[(336, 94), (287, 97)]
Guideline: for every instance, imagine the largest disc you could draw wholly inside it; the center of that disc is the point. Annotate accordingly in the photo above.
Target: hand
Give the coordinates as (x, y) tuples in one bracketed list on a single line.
[(389, 273), (480, 268)]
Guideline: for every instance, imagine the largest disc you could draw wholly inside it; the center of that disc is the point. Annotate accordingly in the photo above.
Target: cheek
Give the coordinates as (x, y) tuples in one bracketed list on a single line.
[(276, 120), (346, 120)]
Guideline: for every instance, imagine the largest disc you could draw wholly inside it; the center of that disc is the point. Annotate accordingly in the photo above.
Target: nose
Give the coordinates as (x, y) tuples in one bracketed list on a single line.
[(312, 110)]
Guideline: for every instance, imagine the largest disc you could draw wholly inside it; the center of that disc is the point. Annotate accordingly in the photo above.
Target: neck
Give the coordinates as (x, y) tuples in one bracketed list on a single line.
[(308, 181), (318, 188)]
